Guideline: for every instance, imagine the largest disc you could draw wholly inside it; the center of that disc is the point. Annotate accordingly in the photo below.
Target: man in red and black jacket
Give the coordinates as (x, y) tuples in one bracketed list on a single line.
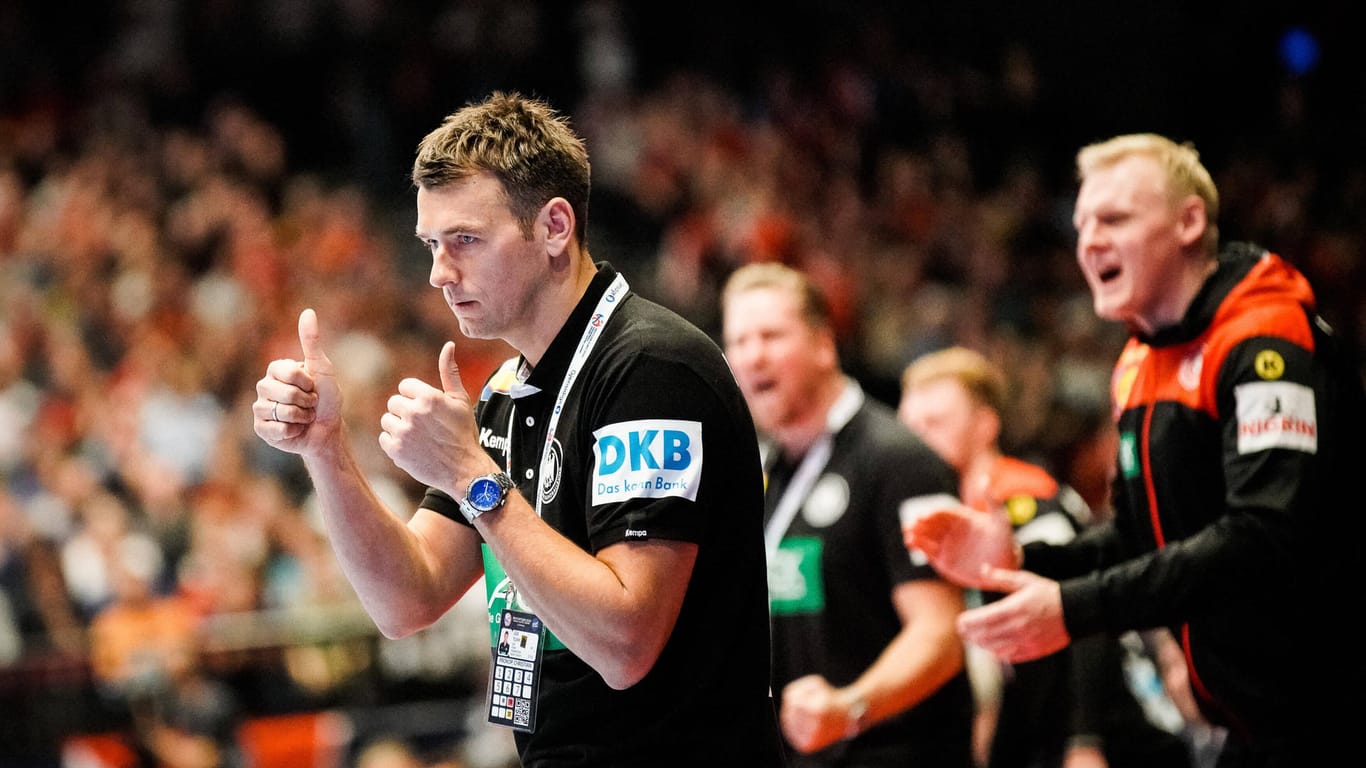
[(1241, 425), (1070, 708)]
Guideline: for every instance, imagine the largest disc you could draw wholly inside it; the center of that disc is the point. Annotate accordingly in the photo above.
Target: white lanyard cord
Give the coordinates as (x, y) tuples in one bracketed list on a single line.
[(813, 463), (591, 333)]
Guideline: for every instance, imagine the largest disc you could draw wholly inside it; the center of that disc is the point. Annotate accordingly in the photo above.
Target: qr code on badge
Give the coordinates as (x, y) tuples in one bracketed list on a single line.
[(521, 712)]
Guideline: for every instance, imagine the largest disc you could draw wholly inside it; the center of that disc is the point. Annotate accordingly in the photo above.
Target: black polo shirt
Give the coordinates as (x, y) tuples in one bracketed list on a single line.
[(832, 579), (654, 442)]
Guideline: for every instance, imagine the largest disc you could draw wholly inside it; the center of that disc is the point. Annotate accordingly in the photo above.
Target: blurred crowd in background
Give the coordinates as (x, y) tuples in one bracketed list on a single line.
[(178, 180)]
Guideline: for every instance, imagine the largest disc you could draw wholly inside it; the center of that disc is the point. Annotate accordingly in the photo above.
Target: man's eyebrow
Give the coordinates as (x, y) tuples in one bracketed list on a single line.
[(448, 231)]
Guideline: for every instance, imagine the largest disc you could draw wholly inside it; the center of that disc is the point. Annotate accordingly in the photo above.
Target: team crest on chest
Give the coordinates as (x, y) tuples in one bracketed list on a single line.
[(551, 468), (827, 502), (1188, 374)]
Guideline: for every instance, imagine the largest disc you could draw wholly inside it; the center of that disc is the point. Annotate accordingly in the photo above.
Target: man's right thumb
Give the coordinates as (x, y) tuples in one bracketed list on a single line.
[(310, 338)]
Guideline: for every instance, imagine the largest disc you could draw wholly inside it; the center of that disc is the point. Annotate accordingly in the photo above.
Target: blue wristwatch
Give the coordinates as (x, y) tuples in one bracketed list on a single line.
[(485, 494)]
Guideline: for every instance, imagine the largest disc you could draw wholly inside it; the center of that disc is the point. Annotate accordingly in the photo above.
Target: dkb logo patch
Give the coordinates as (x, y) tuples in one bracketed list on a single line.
[(647, 459)]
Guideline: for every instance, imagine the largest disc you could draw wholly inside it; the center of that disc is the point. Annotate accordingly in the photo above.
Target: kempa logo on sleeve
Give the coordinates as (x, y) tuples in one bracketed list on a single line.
[(647, 459)]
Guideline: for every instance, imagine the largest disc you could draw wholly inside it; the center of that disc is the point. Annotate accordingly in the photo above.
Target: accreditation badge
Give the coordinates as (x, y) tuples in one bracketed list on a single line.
[(515, 674), (517, 641)]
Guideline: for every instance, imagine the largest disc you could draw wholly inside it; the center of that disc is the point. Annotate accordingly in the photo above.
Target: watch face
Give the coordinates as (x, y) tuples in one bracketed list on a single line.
[(485, 494)]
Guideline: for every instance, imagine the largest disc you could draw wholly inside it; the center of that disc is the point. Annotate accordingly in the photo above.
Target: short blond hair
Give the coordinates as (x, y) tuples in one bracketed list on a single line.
[(1180, 163), (811, 300), (984, 381)]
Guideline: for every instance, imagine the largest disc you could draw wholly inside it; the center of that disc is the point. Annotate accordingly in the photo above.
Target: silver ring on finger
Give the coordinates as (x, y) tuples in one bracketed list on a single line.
[(275, 411)]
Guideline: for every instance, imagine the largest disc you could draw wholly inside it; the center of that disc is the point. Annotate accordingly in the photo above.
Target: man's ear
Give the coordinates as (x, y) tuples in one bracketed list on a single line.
[(986, 425), (827, 346), (1191, 218), (556, 220)]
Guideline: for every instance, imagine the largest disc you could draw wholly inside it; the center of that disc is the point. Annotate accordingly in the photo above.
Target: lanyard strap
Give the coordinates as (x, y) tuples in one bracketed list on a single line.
[(591, 333), (813, 463)]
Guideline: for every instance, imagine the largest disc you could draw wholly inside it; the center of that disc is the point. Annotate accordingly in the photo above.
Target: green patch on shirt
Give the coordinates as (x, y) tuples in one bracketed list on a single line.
[(1128, 455), (794, 577)]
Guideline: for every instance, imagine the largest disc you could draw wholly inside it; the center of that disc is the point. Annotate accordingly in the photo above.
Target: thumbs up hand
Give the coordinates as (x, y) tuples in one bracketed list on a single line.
[(430, 433), (298, 403)]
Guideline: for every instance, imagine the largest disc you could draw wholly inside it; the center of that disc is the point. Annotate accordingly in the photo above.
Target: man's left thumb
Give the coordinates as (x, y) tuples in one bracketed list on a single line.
[(450, 370)]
